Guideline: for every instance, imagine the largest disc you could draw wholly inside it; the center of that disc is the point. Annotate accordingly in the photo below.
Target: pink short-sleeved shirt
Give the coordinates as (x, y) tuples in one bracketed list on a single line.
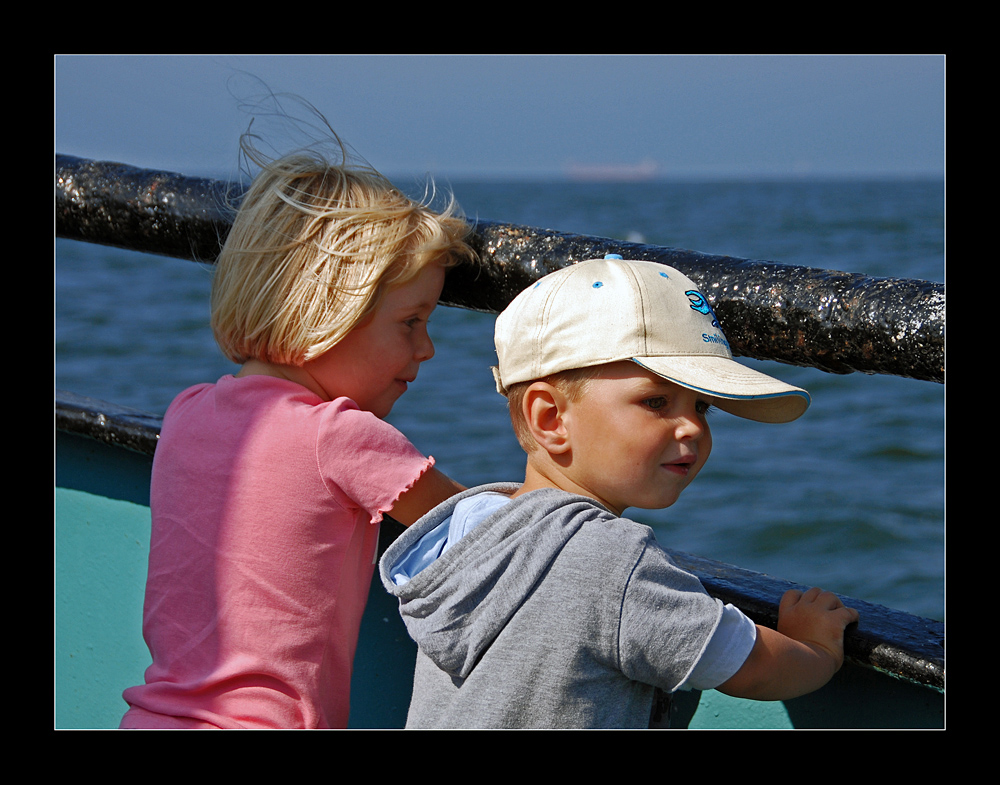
[(263, 498)]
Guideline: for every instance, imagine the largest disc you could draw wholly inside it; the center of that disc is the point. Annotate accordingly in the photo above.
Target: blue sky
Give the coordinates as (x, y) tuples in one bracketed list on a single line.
[(526, 116)]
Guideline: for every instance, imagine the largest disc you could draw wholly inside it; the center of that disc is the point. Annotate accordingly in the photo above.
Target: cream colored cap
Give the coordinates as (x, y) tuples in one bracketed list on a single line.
[(608, 310)]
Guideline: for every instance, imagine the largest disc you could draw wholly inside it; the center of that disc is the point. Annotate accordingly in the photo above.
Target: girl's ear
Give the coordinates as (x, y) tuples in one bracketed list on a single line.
[(544, 409)]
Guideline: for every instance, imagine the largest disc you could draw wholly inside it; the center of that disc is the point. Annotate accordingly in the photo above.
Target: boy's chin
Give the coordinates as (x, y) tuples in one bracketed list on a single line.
[(652, 504)]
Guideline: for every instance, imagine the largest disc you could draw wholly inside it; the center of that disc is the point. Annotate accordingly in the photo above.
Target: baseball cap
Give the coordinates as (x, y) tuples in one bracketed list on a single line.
[(608, 310)]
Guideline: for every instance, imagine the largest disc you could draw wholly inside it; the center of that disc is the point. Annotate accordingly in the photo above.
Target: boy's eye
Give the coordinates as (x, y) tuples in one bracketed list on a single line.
[(662, 402)]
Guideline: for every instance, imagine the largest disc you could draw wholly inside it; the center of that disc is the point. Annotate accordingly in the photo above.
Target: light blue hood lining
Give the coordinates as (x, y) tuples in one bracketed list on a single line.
[(468, 513)]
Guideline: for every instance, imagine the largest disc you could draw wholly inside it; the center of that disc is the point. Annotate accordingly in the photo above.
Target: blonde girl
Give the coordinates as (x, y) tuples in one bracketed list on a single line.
[(268, 486)]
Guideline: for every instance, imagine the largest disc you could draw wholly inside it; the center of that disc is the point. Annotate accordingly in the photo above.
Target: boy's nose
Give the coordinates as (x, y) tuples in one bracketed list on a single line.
[(690, 425)]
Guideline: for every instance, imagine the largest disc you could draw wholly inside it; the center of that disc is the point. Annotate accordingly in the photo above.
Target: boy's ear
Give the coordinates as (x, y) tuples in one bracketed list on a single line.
[(544, 410)]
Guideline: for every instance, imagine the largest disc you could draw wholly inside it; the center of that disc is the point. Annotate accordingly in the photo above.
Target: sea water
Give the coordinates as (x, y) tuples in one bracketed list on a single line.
[(850, 497)]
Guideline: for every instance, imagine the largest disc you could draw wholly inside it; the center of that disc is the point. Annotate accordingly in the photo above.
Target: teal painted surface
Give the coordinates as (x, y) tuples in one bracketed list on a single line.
[(382, 682), (114, 473), (856, 698), (101, 552)]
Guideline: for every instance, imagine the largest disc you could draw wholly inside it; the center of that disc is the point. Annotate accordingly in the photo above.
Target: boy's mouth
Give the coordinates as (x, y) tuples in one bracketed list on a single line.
[(682, 465)]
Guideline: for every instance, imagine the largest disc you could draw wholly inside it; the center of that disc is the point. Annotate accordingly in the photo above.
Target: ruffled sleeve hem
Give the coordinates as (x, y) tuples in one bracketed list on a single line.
[(387, 507)]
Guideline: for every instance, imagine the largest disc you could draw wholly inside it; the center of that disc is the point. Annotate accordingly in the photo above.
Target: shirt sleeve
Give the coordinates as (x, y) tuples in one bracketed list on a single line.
[(668, 622), (365, 461), (726, 652)]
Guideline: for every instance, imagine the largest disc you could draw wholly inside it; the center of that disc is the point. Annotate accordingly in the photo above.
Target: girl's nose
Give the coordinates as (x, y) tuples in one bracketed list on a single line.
[(425, 349)]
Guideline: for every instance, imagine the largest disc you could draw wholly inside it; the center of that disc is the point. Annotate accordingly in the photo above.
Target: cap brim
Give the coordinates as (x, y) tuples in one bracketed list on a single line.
[(734, 388)]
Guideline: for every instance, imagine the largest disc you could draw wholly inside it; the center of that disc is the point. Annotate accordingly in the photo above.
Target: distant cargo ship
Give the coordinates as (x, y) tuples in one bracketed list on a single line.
[(623, 173)]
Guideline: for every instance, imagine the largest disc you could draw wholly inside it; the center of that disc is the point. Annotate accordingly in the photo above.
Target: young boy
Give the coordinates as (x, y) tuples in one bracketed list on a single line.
[(539, 606)]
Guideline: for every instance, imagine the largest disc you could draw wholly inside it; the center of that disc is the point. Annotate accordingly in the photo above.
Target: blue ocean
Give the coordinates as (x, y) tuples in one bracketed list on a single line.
[(850, 497)]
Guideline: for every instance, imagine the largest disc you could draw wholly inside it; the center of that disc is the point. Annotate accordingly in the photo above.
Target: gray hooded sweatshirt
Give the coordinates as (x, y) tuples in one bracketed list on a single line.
[(550, 612)]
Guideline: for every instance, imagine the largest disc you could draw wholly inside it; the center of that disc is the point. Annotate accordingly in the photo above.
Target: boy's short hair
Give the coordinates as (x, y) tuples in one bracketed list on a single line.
[(573, 384), (603, 311), (313, 249)]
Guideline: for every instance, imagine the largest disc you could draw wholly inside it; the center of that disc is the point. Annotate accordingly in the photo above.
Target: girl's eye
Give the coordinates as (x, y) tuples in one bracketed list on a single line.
[(656, 403), (704, 407)]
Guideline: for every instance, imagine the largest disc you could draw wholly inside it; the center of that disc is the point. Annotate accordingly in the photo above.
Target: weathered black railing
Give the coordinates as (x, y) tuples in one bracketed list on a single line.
[(836, 321), (117, 426)]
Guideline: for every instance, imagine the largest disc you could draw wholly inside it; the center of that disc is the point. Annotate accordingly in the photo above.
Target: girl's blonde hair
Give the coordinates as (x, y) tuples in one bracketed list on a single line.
[(313, 248)]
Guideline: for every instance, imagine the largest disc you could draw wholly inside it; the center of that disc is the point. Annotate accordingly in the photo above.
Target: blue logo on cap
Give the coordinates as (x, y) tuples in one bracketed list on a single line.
[(700, 304)]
